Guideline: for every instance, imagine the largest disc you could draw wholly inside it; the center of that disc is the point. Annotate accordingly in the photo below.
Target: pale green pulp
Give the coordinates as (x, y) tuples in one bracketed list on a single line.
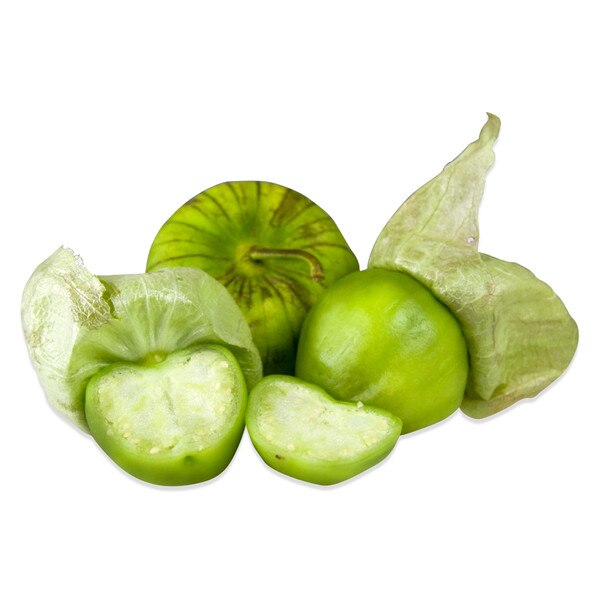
[(76, 324), (299, 418), (299, 430), (182, 404)]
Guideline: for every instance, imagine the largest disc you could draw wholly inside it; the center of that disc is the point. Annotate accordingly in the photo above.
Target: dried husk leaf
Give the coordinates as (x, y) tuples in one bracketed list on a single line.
[(519, 334)]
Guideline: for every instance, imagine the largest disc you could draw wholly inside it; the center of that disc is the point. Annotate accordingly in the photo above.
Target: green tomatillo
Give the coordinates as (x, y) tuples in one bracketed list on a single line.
[(154, 365), (519, 333), (301, 431), (274, 250), (175, 422), (381, 338)]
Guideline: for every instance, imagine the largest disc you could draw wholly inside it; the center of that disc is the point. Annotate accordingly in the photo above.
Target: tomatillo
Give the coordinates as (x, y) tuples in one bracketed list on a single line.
[(155, 366), (519, 333), (381, 338), (301, 431), (173, 422), (274, 250)]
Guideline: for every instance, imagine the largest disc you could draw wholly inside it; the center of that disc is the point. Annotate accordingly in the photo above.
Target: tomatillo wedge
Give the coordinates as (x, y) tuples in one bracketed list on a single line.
[(175, 422), (272, 248), (301, 431), (382, 338)]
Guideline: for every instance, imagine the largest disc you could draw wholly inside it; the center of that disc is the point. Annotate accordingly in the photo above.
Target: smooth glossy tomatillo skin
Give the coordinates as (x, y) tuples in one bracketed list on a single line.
[(177, 421), (380, 337), (299, 430), (273, 249)]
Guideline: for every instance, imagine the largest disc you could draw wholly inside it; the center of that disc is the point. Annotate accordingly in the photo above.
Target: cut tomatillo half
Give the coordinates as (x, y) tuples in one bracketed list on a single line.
[(274, 250), (175, 421), (76, 324), (301, 431)]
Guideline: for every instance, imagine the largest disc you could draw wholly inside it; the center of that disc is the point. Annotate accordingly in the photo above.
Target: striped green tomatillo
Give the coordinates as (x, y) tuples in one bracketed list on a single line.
[(274, 250)]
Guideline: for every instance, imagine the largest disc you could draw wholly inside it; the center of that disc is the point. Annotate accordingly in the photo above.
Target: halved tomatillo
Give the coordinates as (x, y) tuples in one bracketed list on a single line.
[(301, 431), (177, 421), (155, 365), (76, 324), (272, 248)]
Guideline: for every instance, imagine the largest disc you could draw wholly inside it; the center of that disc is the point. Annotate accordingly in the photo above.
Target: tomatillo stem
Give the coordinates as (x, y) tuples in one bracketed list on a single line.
[(316, 269)]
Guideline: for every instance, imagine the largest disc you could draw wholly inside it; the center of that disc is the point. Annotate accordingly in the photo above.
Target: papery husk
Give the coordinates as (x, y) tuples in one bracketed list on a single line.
[(519, 333), (76, 323)]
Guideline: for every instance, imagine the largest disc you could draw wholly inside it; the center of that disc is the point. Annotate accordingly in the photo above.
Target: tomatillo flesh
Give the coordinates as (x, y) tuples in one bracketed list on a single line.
[(175, 421), (301, 431), (381, 338)]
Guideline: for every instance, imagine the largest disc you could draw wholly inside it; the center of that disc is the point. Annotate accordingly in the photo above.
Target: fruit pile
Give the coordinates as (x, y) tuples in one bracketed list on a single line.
[(251, 279)]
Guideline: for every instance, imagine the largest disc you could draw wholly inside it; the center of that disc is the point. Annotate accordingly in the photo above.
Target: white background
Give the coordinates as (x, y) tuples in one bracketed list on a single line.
[(115, 113)]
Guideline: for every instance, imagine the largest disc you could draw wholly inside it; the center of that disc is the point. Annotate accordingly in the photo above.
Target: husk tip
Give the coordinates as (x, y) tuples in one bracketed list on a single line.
[(491, 129)]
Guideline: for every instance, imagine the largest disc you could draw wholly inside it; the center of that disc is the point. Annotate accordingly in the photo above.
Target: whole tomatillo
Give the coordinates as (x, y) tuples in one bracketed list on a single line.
[(519, 333), (381, 338), (274, 250)]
